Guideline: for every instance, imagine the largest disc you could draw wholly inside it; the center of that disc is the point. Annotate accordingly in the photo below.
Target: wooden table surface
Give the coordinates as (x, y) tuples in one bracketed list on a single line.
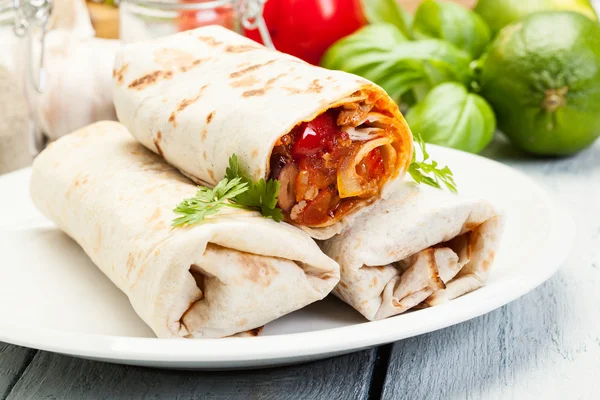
[(543, 345)]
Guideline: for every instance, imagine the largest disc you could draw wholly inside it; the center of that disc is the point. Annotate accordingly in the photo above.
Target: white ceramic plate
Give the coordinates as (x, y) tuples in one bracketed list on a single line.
[(53, 298)]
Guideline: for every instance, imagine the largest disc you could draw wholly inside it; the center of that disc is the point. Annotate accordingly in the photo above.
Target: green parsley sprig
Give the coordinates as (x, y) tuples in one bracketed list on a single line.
[(429, 173), (235, 190), (261, 196)]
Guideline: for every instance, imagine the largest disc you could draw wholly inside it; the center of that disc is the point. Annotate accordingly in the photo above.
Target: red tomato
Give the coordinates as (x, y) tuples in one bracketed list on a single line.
[(374, 163), (308, 143), (315, 135), (325, 124), (306, 28)]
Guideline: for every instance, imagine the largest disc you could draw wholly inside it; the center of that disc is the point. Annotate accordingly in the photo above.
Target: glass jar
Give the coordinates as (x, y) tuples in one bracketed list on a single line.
[(146, 19), (15, 141)]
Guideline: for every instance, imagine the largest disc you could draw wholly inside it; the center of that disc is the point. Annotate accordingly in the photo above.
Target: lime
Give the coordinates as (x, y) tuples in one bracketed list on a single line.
[(499, 13), (542, 77)]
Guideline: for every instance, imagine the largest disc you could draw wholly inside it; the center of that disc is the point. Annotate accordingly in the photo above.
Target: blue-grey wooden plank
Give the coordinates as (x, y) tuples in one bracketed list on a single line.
[(13, 361), (56, 376)]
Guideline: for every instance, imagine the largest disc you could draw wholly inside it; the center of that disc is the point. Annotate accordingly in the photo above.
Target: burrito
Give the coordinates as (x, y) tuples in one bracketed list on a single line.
[(420, 247), (332, 139), (232, 273)]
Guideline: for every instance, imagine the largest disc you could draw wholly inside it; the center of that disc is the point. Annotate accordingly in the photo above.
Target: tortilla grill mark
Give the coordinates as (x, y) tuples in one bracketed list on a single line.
[(78, 182), (258, 270), (293, 90), (204, 133), (241, 48), (271, 81), (183, 105), (254, 92), (118, 73), (251, 68), (80, 179), (209, 118), (195, 63), (150, 79), (254, 153), (98, 241), (154, 216), (373, 282), (204, 155), (161, 225), (130, 262), (156, 141), (212, 174), (315, 86), (342, 284), (247, 81), (209, 40)]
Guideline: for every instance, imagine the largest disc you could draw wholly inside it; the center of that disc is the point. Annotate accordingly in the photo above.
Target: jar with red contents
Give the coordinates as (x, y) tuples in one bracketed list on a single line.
[(146, 19)]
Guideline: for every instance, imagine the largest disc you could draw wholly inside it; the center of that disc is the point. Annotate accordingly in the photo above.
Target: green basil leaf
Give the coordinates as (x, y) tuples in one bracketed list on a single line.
[(364, 49), (442, 61), (452, 117), (453, 23), (382, 54), (387, 11), (367, 53)]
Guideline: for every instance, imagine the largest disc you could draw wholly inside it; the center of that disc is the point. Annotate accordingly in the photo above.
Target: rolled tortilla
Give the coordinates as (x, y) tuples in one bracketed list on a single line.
[(420, 247), (235, 272), (333, 139)]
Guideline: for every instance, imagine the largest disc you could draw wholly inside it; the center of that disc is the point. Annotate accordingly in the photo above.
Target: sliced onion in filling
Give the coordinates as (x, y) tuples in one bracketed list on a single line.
[(363, 134), (378, 120), (351, 184)]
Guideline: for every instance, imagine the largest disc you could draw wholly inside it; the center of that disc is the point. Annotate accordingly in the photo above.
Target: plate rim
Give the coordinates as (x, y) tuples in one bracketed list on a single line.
[(273, 349)]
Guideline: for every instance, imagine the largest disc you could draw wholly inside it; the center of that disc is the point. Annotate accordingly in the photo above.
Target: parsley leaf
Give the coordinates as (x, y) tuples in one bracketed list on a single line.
[(430, 173), (262, 196), (235, 171), (235, 190)]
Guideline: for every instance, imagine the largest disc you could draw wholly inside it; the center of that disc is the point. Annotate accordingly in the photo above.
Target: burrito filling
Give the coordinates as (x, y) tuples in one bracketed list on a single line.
[(329, 166)]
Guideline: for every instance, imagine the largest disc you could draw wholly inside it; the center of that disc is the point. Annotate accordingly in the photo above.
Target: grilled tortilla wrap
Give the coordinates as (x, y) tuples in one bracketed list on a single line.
[(233, 273), (333, 139), (420, 247)]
